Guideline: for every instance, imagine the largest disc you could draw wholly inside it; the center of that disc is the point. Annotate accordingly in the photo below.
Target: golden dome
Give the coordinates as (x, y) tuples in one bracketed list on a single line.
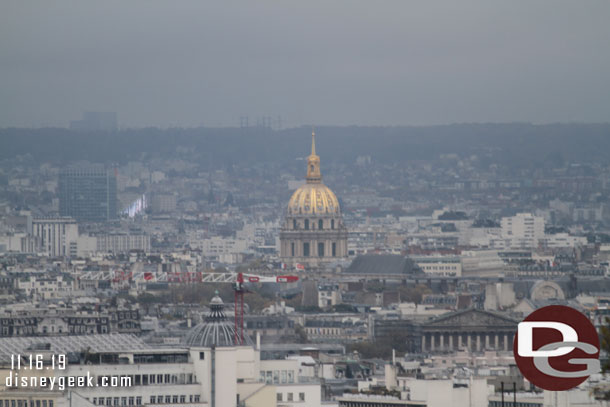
[(314, 197)]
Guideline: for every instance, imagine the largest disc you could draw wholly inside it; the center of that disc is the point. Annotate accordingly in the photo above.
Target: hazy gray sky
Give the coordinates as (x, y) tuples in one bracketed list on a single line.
[(317, 61)]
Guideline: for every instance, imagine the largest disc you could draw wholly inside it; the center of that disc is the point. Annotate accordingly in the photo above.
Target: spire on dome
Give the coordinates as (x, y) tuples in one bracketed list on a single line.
[(313, 163)]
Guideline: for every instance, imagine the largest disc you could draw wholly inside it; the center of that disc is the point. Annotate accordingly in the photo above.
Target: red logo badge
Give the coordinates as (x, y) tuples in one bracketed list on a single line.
[(556, 348)]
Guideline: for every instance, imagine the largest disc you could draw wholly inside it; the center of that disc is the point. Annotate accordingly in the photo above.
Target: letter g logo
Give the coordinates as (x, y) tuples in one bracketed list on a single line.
[(557, 348)]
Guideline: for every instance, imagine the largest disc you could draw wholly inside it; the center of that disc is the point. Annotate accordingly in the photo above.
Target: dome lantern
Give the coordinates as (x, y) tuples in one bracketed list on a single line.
[(313, 163)]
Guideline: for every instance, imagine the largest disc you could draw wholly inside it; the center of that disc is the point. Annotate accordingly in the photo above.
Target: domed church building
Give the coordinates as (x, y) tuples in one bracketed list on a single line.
[(313, 232)]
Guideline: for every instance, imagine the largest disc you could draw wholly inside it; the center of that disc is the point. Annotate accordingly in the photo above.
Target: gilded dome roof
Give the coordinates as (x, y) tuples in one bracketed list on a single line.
[(314, 197)]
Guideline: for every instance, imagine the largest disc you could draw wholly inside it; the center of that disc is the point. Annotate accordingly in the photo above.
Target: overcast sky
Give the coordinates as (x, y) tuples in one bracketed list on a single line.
[(187, 63)]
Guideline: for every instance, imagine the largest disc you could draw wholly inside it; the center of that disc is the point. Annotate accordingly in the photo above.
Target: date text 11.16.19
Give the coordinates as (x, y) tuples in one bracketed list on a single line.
[(37, 362)]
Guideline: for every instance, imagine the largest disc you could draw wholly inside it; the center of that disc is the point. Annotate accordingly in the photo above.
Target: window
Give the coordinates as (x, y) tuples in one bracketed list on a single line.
[(289, 397), (306, 224), (280, 397), (276, 376), (305, 249), (334, 249), (153, 399), (201, 355), (332, 223), (320, 224), (301, 396), (294, 224), (321, 249), (292, 249)]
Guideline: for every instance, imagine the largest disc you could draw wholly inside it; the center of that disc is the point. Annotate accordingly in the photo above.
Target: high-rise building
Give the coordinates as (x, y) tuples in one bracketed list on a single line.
[(88, 194), (522, 230), (313, 231), (58, 236)]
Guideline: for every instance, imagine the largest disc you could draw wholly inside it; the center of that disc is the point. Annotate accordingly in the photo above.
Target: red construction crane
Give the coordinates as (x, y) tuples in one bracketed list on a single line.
[(240, 290)]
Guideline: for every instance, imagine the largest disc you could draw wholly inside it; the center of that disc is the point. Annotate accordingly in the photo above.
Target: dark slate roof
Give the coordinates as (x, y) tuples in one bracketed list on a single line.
[(382, 264)]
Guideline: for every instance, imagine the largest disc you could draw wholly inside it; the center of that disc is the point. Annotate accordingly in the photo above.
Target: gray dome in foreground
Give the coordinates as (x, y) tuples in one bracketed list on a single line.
[(216, 330)]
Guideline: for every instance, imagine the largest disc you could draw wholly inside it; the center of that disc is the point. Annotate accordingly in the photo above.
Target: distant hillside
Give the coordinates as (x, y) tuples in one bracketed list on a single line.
[(522, 145)]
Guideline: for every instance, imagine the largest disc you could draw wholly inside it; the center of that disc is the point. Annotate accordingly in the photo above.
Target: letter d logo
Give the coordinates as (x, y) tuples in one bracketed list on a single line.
[(525, 332)]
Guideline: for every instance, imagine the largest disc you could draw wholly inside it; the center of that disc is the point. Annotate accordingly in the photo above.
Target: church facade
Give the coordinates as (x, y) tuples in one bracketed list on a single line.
[(313, 232)]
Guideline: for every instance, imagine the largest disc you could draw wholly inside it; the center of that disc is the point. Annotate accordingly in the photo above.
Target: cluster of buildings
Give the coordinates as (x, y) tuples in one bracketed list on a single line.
[(399, 301)]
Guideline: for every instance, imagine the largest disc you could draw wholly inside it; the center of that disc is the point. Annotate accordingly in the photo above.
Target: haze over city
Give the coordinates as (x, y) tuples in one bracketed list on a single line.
[(192, 63)]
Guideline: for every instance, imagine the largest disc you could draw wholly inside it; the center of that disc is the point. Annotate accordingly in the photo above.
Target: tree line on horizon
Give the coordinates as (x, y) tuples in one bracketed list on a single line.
[(517, 145)]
